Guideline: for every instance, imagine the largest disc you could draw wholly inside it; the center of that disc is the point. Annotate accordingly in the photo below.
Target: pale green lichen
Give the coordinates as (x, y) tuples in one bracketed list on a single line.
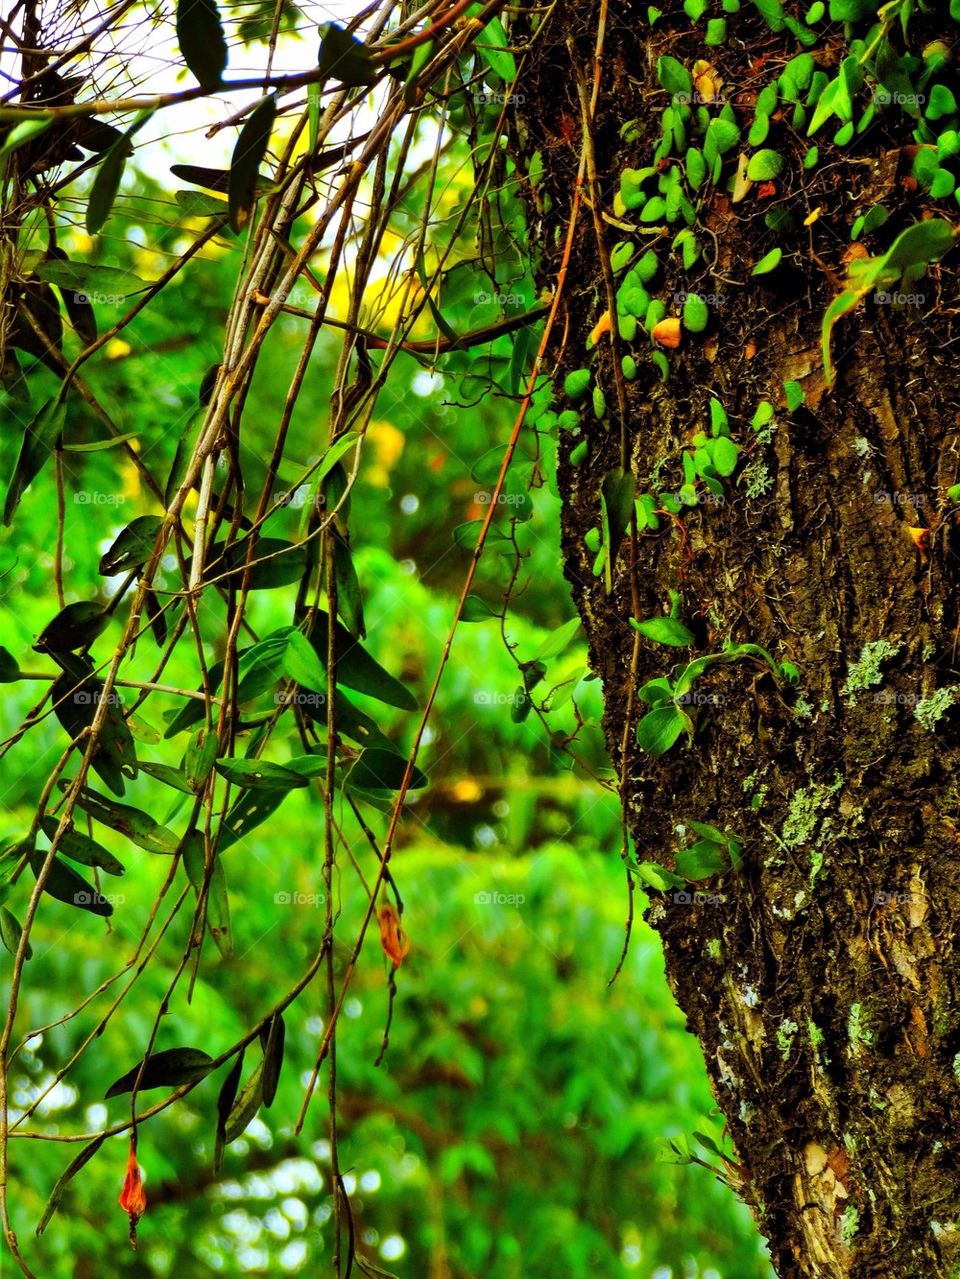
[(804, 814), (956, 1065), (785, 1035), (929, 711), (862, 446), (849, 1223), (757, 478), (857, 1033), (866, 672), (815, 1035), (714, 948), (802, 709)]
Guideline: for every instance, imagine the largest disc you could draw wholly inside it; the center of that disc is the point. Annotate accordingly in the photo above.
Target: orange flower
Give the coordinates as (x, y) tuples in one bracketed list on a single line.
[(392, 937), (132, 1198)]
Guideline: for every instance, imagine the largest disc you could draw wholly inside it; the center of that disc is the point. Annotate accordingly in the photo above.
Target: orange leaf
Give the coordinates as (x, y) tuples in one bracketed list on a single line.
[(392, 937), (602, 326), (132, 1198), (667, 332)]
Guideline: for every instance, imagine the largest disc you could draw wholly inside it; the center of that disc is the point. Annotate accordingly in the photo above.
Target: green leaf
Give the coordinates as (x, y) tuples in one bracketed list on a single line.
[(168, 776), (656, 691), (660, 728), (764, 165), (555, 643), (74, 627), (664, 630), (378, 769), (201, 40), (272, 1037), (225, 1099), (724, 454), (476, 609), (314, 91), (244, 1109), (89, 277), (275, 562), (218, 901), (493, 47), (769, 262), (795, 395), (170, 1068), (355, 667), (67, 886), (248, 154), (695, 313), (9, 669), (658, 877), (701, 861), (11, 932), (674, 77), (199, 758), (132, 546), (349, 597), (39, 438), (259, 774), (107, 182), (76, 696), (839, 307), (25, 132), (344, 58), (136, 825), (71, 1170), (250, 809), (80, 847), (616, 503)]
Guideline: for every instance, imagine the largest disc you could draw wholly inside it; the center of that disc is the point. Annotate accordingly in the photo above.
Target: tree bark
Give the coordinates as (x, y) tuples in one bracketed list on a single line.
[(821, 978)]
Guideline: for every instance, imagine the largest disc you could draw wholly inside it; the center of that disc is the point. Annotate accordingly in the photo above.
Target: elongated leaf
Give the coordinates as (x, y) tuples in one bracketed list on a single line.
[(702, 860), (259, 774), (9, 669), (74, 627), (132, 822), (107, 182), (554, 645), (173, 777), (90, 278), (275, 563), (382, 770), (225, 1099), (616, 502), (493, 47), (664, 630), (11, 932), (74, 844), (272, 1037), (344, 58), (245, 1107), (199, 758), (99, 446), (218, 900), (251, 808), (201, 40), (76, 702), (167, 1069), (660, 728), (24, 132), (71, 1170), (37, 444), (216, 179), (349, 597), (67, 886), (245, 163), (355, 667)]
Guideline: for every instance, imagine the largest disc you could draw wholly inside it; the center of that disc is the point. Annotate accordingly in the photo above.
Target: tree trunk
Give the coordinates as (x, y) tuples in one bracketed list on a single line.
[(820, 977)]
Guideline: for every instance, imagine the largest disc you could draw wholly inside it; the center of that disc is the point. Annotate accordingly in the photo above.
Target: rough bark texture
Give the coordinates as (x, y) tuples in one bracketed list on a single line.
[(823, 986)]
